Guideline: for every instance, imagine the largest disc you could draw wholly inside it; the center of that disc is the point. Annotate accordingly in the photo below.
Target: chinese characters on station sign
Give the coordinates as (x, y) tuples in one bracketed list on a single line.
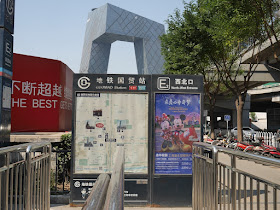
[(114, 82), (176, 84), (120, 80)]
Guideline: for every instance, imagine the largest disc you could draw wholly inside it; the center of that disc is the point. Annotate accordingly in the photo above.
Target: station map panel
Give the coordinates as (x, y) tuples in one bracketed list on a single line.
[(105, 121)]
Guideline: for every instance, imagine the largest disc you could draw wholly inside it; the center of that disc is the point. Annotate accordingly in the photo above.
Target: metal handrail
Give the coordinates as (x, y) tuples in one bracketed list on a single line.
[(253, 157), (217, 183), (97, 196), (108, 194), (115, 194), (22, 147), (26, 180)]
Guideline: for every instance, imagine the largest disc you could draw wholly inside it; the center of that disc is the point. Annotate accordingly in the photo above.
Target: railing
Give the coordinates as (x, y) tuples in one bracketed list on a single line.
[(228, 179), (97, 198), (269, 138), (105, 195), (25, 176), (60, 171)]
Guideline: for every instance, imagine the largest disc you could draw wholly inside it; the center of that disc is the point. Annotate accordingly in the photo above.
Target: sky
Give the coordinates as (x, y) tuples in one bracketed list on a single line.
[(55, 29)]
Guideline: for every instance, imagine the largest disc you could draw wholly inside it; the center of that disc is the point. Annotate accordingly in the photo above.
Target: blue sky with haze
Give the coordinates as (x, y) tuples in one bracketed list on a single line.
[(55, 29)]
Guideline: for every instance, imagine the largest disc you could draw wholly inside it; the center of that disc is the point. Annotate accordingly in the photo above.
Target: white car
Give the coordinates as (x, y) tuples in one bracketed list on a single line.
[(247, 131)]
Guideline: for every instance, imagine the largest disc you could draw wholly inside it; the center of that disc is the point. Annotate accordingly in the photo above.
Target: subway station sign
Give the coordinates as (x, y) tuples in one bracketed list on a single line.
[(156, 118)]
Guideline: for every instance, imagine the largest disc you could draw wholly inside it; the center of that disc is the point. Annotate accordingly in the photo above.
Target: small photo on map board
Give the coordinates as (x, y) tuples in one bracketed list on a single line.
[(105, 121), (177, 126)]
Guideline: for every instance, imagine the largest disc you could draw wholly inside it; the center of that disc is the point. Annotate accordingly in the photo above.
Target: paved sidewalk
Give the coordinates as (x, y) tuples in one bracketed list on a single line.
[(67, 207)]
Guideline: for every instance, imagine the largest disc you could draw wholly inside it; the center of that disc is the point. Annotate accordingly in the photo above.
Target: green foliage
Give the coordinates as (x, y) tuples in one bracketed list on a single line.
[(253, 116), (65, 142), (213, 33), (52, 183), (183, 44), (63, 152), (210, 38)]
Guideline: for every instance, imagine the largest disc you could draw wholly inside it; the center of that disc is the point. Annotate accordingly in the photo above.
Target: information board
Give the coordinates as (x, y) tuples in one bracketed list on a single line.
[(111, 111), (105, 121)]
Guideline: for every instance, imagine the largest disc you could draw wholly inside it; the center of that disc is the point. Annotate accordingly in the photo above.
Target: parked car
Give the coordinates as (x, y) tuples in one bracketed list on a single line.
[(247, 131)]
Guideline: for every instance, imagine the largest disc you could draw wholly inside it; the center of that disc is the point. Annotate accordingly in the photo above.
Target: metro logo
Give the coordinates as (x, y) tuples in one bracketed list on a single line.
[(163, 83)]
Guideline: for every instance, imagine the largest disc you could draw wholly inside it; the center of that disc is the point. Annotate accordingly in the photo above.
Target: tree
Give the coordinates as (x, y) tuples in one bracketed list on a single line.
[(220, 32), (239, 26), (186, 48)]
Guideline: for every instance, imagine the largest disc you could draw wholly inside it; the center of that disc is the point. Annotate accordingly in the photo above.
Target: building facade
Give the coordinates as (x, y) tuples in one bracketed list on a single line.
[(108, 24)]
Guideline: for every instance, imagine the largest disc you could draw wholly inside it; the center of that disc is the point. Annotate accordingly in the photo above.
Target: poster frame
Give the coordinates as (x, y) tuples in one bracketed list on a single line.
[(154, 121)]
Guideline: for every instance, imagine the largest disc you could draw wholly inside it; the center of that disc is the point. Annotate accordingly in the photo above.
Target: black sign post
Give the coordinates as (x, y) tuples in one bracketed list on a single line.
[(7, 8), (177, 107), (7, 15)]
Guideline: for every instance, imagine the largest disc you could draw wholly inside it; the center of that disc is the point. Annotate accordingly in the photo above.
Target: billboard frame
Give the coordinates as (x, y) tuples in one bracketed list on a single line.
[(154, 121)]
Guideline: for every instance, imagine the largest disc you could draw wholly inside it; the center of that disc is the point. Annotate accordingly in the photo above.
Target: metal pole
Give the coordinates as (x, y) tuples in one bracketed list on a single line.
[(28, 177), (49, 176), (215, 176), (227, 128), (7, 174), (233, 182)]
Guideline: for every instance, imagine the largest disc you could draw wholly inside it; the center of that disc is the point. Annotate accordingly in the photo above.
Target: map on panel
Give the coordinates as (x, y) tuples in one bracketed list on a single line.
[(105, 121)]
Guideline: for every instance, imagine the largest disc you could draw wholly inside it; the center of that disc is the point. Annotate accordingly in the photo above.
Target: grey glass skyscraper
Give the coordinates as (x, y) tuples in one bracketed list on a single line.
[(108, 24)]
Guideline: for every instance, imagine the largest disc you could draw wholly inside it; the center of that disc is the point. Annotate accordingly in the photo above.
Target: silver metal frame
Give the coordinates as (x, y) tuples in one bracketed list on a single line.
[(115, 193), (98, 193), (108, 193), (223, 184), (25, 176)]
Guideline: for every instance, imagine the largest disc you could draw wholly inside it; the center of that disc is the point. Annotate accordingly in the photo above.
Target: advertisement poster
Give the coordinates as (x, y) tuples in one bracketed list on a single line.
[(177, 126), (105, 121)]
